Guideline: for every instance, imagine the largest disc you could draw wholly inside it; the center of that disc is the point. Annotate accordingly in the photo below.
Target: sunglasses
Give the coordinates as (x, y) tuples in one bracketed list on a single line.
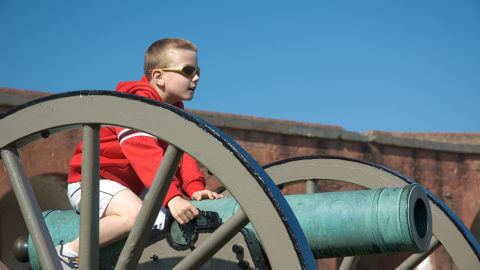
[(188, 71)]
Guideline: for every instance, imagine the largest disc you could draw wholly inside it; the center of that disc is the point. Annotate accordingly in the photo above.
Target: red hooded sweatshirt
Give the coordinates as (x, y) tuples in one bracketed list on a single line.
[(132, 158)]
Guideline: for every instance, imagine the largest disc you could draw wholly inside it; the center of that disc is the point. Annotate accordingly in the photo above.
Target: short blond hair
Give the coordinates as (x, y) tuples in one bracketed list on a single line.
[(158, 54)]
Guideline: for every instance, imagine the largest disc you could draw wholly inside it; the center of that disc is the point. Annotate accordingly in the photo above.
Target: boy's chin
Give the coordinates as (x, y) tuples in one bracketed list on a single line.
[(188, 98)]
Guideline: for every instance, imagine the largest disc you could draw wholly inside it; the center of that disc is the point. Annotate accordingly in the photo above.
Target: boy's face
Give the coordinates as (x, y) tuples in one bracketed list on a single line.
[(175, 86)]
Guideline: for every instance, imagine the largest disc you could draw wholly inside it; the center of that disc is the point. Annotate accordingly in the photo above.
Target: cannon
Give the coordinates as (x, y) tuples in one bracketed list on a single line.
[(279, 233), (334, 223)]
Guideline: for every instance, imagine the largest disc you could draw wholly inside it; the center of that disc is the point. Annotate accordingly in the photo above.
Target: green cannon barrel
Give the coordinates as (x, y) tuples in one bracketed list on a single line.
[(360, 222), (336, 224)]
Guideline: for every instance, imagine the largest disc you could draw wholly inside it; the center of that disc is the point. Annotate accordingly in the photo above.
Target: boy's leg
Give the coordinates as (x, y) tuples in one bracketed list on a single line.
[(117, 220)]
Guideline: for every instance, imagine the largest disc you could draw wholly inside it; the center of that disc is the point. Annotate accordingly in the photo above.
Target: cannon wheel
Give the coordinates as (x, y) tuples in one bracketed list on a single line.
[(448, 230), (261, 202)]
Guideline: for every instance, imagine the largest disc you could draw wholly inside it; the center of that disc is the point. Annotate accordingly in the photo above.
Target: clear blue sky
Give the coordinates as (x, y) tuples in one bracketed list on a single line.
[(411, 66)]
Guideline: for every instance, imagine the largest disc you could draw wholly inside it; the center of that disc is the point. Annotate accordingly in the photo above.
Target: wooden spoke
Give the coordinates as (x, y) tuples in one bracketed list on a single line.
[(151, 206), (415, 259), (349, 263), (30, 209), (311, 186), (89, 249)]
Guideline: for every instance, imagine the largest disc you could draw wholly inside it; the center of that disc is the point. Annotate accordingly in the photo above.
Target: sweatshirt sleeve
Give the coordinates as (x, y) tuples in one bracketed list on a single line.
[(191, 177), (145, 155)]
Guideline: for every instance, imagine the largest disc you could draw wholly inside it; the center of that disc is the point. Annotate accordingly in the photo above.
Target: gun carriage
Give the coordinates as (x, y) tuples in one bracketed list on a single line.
[(275, 239)]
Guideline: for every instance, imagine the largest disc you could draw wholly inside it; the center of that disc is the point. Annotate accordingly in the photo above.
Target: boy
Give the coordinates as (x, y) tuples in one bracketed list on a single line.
[(129, 159)]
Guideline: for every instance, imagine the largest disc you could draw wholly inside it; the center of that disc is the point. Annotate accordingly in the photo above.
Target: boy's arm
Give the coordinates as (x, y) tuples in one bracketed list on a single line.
[(182, 210), (190, 176), (145, 155), (206, 194)]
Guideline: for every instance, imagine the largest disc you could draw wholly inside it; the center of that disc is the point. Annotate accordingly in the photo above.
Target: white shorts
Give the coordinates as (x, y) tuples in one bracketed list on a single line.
[(108, 189)]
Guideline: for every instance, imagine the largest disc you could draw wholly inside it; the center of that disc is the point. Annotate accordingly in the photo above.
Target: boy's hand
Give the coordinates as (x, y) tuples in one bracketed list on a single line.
[(203, 194), (182, 210)]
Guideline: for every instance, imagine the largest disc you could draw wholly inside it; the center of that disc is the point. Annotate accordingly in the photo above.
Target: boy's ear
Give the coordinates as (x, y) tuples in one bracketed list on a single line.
[(157, 78)]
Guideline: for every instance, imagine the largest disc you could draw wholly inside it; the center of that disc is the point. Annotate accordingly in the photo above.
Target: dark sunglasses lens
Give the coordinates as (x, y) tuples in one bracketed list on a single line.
[(190, 71)]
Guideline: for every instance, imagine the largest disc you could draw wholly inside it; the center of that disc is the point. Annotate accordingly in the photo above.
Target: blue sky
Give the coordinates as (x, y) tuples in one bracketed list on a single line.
[(410, 66)]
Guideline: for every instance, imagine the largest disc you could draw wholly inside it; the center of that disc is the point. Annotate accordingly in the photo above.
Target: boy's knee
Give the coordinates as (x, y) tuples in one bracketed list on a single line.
[(131, 216), (126, 206)]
